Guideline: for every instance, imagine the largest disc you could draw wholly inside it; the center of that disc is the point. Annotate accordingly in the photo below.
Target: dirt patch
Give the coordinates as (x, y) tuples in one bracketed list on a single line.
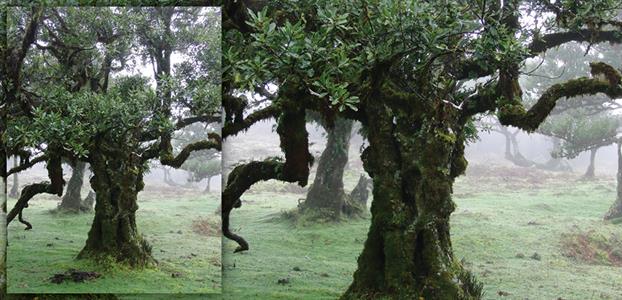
[(593, 248), (207, 227), (74, 275)]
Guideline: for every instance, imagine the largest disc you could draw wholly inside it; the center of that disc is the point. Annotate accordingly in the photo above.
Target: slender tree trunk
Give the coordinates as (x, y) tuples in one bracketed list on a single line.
[(207, 188), (72, 199), (326, 197), (616, 209), (117, 181), (14, 193), (508, 144), (408, 253), (360, 193), (589, 173)]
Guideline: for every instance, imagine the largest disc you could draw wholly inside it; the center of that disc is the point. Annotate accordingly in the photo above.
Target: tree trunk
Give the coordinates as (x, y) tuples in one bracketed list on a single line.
[(113, 234), (14, 193), (326, 198), (616, 209), (72, 199), (207, 188), (408, 253), (589, 173), (360, 193)]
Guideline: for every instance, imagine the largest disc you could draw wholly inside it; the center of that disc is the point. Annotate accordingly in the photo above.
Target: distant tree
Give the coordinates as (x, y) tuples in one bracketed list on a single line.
[(326, 198), (14, 193), (202, 168)]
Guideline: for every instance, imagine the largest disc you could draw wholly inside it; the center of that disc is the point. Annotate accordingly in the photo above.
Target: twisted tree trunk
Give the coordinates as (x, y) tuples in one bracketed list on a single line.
[(117, 180), (326, 198), (72, 200), (408, 253), (616, 209)]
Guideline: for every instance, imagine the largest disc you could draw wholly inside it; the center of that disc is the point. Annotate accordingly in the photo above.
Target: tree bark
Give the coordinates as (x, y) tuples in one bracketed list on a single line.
[(14, 193), (72, 200), (408, 251), (326, 198), (589, 173), (616, 209), (117, 180)]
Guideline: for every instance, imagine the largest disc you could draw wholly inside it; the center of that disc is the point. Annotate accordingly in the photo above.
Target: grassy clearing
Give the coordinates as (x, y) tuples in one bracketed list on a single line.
[(501, 223), (164, 217)]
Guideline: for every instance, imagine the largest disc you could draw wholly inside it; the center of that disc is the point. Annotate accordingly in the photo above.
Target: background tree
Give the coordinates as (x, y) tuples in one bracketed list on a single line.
[(399, 68), (14, 193), (326, 198)]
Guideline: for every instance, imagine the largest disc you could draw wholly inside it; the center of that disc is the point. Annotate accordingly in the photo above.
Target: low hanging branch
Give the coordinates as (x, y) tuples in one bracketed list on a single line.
[(295, 169), (55, 187), (254, 117), (27, 164)]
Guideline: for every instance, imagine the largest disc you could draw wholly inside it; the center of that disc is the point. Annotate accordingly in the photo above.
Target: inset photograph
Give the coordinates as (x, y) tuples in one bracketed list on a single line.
[(113, 148)]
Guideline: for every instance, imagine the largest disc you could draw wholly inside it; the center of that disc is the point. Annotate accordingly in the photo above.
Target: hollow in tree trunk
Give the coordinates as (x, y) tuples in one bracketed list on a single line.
[(589, 173), (326, 198), (14, 193), (72, 200), (408, 253), (615, 211), (117, 179)]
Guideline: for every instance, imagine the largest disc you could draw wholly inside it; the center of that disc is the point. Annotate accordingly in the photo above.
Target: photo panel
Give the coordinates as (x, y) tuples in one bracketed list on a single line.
[(112, 140)]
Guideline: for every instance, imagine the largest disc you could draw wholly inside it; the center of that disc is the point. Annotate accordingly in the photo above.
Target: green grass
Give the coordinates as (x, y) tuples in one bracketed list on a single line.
[(489, 228), (165, 219)]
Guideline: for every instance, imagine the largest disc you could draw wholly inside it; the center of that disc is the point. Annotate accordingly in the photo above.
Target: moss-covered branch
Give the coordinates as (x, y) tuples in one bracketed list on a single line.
[(168, 159), (605, 80), (26, 165), (239, 181), (233, 128), (55, 186)]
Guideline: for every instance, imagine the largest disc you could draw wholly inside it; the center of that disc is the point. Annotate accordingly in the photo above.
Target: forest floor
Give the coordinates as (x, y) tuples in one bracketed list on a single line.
[(524, 233), (180, 225)]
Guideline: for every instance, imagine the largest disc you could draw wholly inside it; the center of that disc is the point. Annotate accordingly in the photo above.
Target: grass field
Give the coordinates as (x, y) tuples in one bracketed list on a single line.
[(166, 218), (504, 217)]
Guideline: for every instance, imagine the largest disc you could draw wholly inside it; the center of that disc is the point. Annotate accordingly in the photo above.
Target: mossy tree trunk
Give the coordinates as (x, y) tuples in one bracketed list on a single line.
[(326, 197), (408, 251), (616, 209), (14, 193), (117, 179), (590, 172), (72, 200)]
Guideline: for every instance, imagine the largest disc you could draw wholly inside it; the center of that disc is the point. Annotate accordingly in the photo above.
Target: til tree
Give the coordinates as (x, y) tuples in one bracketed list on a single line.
[(400, 68), (70, 102)]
